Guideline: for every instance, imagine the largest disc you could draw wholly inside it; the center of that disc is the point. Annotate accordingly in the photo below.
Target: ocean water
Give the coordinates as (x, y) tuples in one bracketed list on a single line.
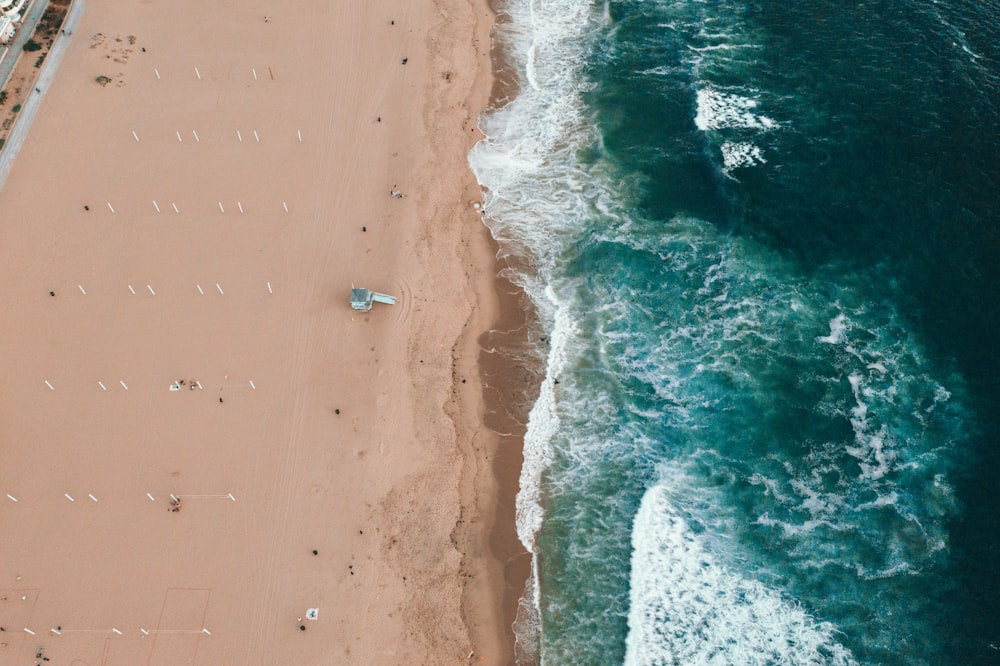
[(763, 241)]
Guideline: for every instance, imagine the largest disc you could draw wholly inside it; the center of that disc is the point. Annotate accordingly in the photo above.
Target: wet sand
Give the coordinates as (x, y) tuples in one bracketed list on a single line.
[(217, 246)]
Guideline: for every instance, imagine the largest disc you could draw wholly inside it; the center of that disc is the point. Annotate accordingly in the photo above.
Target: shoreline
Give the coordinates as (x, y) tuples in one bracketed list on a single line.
[(485, 531), (511, 378), (510, 373), (508, 379)]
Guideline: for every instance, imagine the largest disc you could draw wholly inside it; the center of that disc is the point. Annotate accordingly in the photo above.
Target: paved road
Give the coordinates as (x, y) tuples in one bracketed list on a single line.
[(24, 33), (45, 77)]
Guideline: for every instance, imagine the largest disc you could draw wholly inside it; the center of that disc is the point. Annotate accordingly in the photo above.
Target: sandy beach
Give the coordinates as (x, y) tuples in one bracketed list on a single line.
[(178, 243)]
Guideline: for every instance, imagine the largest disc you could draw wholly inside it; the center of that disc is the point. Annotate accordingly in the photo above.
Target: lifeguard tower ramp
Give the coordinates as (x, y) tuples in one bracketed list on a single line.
[(362, 299)]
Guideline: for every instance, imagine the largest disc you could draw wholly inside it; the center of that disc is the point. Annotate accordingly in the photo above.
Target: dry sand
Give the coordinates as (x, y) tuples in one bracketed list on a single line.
[(395, 491)]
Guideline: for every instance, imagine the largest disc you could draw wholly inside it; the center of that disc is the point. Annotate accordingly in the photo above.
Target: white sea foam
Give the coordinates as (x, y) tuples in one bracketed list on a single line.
[(536, 193), (735, 116), (772, 485), (860, 508), (959, 38), (737, 154), (837, 328), (527, 621), (721, 47), (543, 423), (873, 447), (687, 608), (722, 110), (797, 530), (881, 501), (527, 163)]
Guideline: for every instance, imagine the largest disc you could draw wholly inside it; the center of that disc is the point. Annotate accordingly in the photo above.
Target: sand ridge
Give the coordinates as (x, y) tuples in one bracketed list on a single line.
[(201, 217)]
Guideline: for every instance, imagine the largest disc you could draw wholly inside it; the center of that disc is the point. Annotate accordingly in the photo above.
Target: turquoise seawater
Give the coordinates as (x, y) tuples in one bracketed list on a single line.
[(762, 240)]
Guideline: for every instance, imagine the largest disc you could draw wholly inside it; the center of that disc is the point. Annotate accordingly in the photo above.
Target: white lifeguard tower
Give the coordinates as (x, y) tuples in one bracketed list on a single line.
[(362, 299)]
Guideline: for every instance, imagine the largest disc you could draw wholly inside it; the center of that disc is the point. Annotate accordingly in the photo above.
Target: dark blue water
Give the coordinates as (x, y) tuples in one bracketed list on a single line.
[(762, 238)]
